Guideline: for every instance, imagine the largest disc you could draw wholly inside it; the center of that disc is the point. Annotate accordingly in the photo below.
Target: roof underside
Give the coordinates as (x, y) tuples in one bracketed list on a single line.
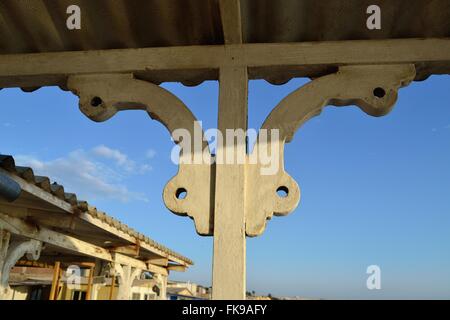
[(39, 26), (30, 26)]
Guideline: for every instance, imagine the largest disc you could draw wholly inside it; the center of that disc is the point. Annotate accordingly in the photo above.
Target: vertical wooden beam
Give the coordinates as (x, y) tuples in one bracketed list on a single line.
[(55, 281), (229, 220), (161, 279), (60, 287), (230, 13), (89, 285), (113, 283), (5, 237)]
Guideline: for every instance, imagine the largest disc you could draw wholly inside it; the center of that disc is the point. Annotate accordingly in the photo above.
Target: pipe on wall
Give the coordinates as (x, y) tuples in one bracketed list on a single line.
[(9, 189)]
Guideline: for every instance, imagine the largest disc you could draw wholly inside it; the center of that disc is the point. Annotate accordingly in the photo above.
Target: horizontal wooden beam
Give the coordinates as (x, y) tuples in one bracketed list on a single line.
[(163, 262), (123, 259), (52, 68), (20, 227), (131, 250), (393, 51), (68, 259), (156, 269), (176, 268), (34, 264)]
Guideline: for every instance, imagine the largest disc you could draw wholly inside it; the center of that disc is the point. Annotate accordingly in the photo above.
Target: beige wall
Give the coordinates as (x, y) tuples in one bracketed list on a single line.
[(20, 292)]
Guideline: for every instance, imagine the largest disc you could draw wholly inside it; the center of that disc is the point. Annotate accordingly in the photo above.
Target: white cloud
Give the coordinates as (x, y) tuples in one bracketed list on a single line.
[(79, 172), (144, 168), (121, 159), (150, 154), (106, 152)]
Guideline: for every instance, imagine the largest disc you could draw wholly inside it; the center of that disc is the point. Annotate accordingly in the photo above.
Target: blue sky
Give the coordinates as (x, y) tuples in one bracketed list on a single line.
[(374, 190)]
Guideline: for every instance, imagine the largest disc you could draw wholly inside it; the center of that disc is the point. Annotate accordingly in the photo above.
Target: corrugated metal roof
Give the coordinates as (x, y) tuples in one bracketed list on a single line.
[(36, 26), (40, 25), (28, 26), (333, 20), (7, 162)]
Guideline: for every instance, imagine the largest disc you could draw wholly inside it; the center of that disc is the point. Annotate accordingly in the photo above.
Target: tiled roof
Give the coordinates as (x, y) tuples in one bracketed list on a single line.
[(7, 162)]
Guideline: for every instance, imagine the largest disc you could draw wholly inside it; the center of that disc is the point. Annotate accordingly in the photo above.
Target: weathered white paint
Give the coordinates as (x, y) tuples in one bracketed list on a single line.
[(162, 284), (52, 68), (230, 192), (126, 275), (14, 251)]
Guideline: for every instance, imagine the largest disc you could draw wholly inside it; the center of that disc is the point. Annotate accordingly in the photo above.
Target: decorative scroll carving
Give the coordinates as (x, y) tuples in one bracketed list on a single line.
[(102, 96), (372, 88)]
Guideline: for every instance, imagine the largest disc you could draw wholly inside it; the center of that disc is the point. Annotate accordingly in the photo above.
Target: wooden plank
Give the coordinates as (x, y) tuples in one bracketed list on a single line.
[(229, 217), (55, 281), (176, 268), (123, 259), (68, 259), (163, 262), (131, 250), (34, 264), (18, 226), (53, 65), (52, 68), (111, 288), (90, 283), (156, 269), (395, 51), (230, 13)]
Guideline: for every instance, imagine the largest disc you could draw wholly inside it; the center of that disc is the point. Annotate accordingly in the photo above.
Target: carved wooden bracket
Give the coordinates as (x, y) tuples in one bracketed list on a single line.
[(11, 252), (126, 274), (102, 96), (373, 88)]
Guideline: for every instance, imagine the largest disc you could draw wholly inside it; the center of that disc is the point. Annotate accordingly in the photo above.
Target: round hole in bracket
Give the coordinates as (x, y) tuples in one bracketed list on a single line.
[(282, 191), (181, 193), (379, 92), (96, 101)]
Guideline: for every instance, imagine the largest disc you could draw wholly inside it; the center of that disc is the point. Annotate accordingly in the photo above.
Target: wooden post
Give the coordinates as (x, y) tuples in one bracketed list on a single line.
[(113, 283), (229, 220), (55, 281), (89, 285)]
